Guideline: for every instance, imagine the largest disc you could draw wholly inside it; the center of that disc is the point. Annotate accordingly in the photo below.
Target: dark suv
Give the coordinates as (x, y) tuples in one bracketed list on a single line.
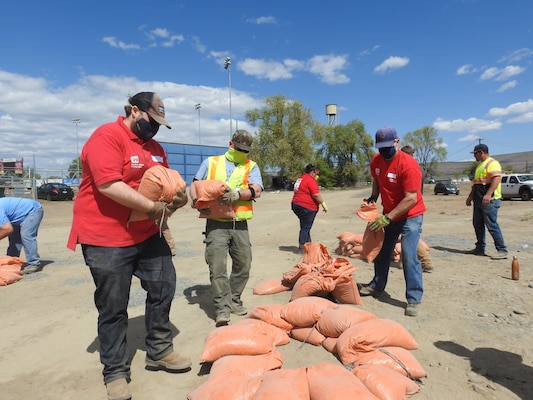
[(446, 188)]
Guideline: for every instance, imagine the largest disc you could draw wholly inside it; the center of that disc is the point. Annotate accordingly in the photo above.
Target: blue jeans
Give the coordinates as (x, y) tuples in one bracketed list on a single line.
[(306, 217), (24, 236), (112, 269), (410, 230), (222, 238), (486, 215)]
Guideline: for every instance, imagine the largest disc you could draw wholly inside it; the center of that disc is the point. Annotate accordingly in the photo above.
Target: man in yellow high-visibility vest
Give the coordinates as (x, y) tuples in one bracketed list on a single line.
[(223, 236), (486, 195)]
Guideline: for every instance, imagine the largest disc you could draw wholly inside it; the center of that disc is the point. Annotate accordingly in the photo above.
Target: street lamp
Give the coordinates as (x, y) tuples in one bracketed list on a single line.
[(227, 65), (77, 121), (198, 106)]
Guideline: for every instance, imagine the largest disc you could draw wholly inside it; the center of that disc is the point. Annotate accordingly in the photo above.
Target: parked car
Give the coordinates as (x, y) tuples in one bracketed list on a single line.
[(446, 188), (517, 185), (55, 191)]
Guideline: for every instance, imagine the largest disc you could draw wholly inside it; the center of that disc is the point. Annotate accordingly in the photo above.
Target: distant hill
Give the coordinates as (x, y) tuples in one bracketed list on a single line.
[(519, 162)]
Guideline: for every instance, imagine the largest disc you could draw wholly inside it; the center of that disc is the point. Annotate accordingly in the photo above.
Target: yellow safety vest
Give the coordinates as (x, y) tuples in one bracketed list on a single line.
[(485, 171), (216, 169)]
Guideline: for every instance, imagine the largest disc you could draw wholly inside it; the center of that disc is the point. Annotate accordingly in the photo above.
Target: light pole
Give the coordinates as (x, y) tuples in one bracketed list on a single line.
[(198, 106), (77, 121), (227, 65)]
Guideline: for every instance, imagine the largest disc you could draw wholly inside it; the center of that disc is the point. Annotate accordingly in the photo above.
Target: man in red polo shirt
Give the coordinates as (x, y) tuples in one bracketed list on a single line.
[(114, 160), (397, 179)]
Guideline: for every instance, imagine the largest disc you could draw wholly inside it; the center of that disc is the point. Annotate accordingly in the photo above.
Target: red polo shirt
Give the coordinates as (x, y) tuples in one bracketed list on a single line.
[(113, 152)]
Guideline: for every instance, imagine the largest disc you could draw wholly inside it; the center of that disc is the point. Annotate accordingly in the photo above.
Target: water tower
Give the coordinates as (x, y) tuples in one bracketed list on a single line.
[(331, 112)]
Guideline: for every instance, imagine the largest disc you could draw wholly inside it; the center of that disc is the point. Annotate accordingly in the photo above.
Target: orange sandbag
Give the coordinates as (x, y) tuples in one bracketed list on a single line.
[(272, 286), (284, 384), (350, 237), (226, 387), (279, 336), (296, 272), (330, 381), (385, 383), (346, 291), (396, 358), (334, 321), (9, 260), (329, 344), (271, 314), (308, 335), (208, 193), (372, 242), (368, 212), (305, 311), (9, 277), (249, 366), (158, 184), (372, 333), (312, 284), (315, 253), (235, 340)]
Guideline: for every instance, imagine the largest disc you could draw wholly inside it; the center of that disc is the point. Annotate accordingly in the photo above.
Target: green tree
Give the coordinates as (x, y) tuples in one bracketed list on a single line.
[(285, 136), (348, 149), (74, 167), (428, 149)]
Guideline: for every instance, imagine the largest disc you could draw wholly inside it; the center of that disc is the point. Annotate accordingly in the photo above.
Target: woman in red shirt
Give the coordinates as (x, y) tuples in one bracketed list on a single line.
[(305, 202)]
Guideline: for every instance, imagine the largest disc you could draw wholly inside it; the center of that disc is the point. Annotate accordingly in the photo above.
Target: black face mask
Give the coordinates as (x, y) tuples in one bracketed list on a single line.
[(387, 152), (145, 130)]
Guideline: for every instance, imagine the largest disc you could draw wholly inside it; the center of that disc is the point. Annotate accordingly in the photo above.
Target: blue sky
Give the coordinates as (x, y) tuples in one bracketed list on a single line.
[(461, 66)]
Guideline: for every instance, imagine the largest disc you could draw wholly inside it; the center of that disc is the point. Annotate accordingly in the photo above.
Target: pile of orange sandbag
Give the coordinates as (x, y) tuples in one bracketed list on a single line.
[(377, 363), (10, 270), (318, 274)]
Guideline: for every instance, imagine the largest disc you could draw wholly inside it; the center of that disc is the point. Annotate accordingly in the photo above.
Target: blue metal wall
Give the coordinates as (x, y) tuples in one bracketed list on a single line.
[(186, 158)]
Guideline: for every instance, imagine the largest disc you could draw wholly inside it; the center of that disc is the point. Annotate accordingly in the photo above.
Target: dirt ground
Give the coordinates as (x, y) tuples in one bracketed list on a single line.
[(474, 329)]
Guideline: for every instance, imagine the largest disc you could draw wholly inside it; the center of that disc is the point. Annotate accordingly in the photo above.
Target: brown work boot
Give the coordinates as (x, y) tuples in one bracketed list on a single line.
[(171, 362), (118, 390)]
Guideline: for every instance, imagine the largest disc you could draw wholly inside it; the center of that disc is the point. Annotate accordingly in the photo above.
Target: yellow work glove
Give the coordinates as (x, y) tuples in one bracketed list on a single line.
[(324, 206), (379, 223)]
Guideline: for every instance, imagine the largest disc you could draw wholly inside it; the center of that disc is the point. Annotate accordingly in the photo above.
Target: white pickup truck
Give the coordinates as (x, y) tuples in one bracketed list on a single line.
[(517, 185)]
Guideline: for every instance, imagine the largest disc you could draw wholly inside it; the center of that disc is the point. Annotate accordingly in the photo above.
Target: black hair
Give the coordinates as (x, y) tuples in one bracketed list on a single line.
[(309, 168)]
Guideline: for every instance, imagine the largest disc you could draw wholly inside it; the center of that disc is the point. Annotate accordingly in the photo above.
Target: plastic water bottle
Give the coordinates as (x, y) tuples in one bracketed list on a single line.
[(515, 269)]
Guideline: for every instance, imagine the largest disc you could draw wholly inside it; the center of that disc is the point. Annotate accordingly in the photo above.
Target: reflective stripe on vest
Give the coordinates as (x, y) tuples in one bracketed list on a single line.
[(482, 177), (216, 169)]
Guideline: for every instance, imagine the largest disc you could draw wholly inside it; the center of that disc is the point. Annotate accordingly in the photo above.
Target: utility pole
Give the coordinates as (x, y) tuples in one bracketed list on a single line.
[(77, 121), (198, 106), (227, 65)]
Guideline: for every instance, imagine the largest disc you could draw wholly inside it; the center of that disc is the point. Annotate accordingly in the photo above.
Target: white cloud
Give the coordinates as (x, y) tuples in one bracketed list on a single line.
[(465, 69), (472, 125), (489, 73), (501, 74), (506, 86), (329, 68), (517, 55), (263, 69), (263, 20), (113, 42), (391, 63), (515, 108)]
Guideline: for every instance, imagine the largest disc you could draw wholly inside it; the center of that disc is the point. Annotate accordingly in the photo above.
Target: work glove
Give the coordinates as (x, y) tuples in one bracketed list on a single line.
[(178, 201), (324, 206), (379, 223), (370, 200), (157, 211), (230, 196)]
